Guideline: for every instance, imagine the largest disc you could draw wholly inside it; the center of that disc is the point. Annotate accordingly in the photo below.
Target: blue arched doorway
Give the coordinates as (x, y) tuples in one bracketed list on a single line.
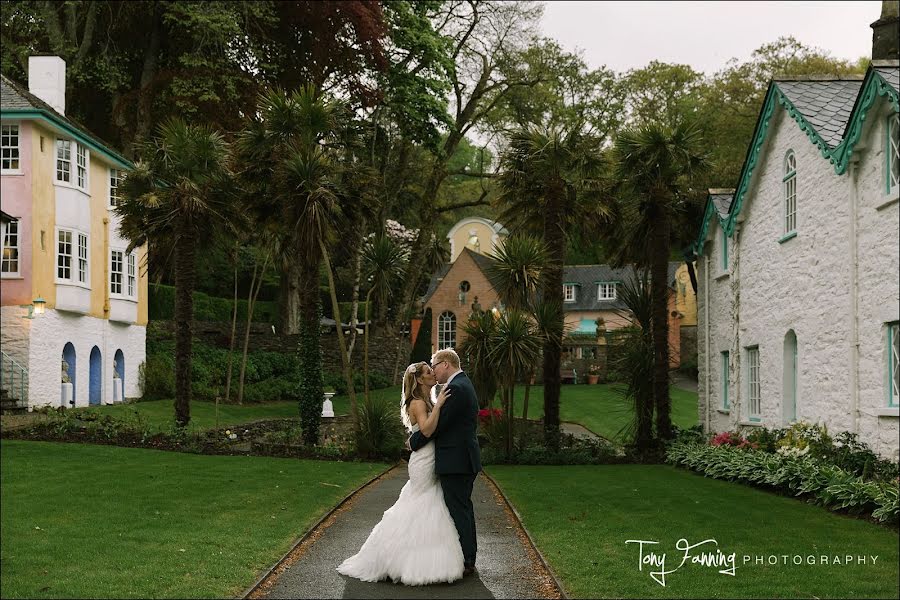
[(96, 383), (119, 372), (68, 355)]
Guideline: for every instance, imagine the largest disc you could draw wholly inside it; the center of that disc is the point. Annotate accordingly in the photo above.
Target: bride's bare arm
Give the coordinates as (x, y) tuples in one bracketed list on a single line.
[(428, 423)]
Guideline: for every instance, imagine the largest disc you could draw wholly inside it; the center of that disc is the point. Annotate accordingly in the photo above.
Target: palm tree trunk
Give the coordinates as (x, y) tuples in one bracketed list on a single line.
[(348, 373), (552, 284), (525, 408), (510, 416), (233, 332), (290, 303), (185, 274), (366, 349), (659, 292)]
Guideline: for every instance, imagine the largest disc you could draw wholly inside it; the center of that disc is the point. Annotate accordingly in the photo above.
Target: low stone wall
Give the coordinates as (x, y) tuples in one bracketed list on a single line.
[(382, 343)]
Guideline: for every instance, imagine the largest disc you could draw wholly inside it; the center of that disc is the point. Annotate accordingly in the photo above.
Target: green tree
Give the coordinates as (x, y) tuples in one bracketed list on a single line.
[(551, 179), (654, 167), (176, 198)]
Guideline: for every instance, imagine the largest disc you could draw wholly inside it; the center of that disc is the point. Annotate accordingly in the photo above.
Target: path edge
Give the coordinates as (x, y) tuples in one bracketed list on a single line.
[(519, 522), (313, 528)]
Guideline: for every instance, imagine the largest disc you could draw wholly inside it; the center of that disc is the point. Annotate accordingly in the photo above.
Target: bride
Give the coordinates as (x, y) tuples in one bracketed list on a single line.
[(416, 542)]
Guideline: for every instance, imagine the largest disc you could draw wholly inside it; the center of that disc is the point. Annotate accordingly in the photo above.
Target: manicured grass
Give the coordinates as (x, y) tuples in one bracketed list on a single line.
[(100, 521), (601, 408), (580, 518), (161, 413)]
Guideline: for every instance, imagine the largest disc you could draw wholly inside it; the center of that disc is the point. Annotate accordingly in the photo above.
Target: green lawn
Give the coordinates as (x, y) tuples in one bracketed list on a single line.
[(100, 521), (580, 518), (601, 407), (161, 413)]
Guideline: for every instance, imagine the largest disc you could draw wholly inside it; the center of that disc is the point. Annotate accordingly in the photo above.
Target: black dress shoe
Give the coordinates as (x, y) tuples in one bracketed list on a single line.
[(468, 571)]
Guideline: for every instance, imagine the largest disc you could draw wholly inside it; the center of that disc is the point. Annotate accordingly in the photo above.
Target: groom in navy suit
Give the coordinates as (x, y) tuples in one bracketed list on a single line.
[(457, 456)]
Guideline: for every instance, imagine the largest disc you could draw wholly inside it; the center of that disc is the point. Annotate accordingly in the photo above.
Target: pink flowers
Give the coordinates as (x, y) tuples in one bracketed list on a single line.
[(731, 438)]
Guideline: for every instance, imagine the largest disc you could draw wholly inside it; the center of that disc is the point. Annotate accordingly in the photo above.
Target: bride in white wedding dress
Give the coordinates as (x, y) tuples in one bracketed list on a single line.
[(416, 542)]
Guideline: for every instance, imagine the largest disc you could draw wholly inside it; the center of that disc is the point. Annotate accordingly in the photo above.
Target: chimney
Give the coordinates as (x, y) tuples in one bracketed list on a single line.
[(47, 80), (886, 32)]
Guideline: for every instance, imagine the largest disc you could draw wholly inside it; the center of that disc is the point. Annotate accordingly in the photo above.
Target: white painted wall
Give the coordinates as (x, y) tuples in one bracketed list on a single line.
[(49, 334), (804, 285)]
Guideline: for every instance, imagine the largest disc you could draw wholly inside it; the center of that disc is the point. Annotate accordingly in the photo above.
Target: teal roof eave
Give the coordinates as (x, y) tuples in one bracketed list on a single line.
[(708, 214), (873, 86), (94, 145)]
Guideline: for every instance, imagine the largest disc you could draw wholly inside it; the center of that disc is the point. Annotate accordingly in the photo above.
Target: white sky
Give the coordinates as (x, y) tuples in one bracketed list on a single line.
[(704, 35)]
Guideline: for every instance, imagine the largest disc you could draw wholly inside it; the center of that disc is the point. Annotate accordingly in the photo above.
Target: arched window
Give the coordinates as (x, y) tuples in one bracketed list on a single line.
[(446, 330), (790, 192), (789, 378)]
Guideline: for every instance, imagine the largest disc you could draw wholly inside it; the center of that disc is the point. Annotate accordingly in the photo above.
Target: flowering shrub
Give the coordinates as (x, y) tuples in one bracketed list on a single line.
[(732, 438), (813, 438), (484, 415)]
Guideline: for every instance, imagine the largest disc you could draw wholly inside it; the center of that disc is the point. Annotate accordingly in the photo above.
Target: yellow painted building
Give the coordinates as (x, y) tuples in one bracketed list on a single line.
[(74, 300)]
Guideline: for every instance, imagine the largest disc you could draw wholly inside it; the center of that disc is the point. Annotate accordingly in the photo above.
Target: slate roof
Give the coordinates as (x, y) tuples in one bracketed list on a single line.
[(14, 97), (891, 75), (586, 276), (722, 201), (825, 104)]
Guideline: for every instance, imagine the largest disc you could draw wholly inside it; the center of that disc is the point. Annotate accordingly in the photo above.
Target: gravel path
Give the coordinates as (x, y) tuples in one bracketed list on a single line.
[(507, 565)]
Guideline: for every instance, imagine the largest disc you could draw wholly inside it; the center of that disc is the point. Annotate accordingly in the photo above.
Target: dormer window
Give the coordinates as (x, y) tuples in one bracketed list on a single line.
[(569, 292), (606, 290)]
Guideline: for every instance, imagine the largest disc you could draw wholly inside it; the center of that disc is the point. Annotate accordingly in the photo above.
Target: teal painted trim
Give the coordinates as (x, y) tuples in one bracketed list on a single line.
[(708, 214), (789, 175), (82, 138), (755, 419), (873, 86), (892, 401), (787, 237), (796, 377), (725, 382), (724, 250)]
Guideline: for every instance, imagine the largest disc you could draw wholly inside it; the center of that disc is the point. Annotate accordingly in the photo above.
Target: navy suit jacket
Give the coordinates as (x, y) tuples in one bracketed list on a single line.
[(456, 449)]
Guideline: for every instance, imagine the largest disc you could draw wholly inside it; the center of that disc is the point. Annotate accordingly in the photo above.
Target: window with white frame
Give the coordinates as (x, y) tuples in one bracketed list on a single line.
[(893, 153), (115, 176), (130, 287), (790, 192), (606, 290), (115, 272), (64, 161), (446, 330), (569, 292), (753, 384), (725, 380), (9, 148), (893, 366), (64, 255), (82, 258), (9, 265), (81, 161)]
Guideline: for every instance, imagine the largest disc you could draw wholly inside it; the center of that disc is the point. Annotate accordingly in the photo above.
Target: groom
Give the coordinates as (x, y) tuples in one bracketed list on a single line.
[(457, 456)]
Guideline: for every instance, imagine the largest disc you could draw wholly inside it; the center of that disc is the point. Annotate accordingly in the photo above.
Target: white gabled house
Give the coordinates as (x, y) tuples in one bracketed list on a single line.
[(798, 268)]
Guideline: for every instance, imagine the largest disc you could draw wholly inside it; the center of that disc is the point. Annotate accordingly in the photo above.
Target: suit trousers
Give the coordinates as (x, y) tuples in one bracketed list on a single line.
[(457, 490)]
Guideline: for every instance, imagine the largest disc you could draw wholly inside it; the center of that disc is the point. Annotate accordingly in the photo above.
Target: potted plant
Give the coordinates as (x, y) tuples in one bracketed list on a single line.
[(593, 374)]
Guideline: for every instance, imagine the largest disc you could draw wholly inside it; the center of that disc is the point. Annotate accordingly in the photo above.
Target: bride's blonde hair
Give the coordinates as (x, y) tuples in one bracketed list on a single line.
[(410, 391)]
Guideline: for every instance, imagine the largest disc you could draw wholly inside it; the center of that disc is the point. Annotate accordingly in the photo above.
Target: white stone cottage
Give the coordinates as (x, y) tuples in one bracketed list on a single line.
[(797, 268)]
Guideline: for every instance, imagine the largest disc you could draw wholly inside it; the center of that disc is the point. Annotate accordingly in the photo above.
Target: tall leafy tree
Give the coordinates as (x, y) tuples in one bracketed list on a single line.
[(176, 198), (655, 167), (551, 179)]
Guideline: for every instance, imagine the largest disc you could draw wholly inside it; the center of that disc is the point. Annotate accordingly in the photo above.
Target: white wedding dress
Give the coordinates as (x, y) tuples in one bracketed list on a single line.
[(416, 542)]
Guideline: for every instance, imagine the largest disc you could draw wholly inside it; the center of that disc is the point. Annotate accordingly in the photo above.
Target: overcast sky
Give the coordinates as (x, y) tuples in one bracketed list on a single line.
[(704, 35)]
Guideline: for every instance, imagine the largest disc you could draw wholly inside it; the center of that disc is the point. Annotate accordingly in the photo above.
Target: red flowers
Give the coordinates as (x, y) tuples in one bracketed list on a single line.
[(485, 414), (730, 438)]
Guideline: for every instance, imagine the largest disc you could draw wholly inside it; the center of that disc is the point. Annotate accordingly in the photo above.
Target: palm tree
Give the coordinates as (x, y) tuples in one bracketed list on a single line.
[(654, 165), (176, 197), (515, 347), (480, 330), (515, 274), (384, 264), (288, 154), (550, 182)]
